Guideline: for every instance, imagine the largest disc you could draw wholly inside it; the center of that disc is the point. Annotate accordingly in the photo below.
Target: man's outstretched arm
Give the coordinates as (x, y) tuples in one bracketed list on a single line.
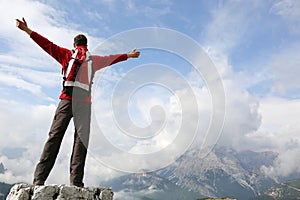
[(23, 26), (100, 62), (58, 53)]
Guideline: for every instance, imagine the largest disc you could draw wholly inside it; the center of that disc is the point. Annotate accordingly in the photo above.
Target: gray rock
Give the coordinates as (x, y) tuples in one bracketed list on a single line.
[(58, 192), (106, 194), (71, 192), (19, 192), (47, 192)]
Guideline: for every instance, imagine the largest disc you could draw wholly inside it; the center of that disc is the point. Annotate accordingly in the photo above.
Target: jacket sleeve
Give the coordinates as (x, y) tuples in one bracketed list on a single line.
[(100, 62), (60, 54)]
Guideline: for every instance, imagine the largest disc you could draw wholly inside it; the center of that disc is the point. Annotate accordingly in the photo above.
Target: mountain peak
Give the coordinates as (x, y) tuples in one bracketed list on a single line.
[(222, 172), (2, 169)]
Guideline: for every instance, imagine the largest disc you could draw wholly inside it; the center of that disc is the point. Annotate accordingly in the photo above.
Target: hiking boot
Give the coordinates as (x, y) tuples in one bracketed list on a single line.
[(38, 183), (81, 185)]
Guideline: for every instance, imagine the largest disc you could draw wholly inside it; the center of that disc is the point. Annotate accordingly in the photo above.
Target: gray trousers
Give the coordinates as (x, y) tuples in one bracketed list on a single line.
[(81, 113)]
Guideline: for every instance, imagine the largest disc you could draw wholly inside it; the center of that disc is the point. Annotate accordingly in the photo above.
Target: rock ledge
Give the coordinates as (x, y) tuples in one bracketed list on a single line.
[(58, 192)]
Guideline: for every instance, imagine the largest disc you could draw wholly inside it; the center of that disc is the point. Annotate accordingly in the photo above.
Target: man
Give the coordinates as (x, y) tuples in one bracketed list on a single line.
[(78, 67)]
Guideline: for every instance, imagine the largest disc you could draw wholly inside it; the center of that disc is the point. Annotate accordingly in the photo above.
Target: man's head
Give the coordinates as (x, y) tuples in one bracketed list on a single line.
[(80, 40)]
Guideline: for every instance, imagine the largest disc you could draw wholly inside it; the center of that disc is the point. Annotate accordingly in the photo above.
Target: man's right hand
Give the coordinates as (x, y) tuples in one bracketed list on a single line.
[(23, 26)]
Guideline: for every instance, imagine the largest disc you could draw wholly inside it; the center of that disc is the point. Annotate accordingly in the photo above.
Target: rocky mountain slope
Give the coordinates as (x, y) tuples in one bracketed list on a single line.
[(289, 190), (223, 173)]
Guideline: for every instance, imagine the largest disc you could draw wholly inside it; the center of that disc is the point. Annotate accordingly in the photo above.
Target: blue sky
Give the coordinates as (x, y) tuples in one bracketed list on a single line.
[(254, 45)]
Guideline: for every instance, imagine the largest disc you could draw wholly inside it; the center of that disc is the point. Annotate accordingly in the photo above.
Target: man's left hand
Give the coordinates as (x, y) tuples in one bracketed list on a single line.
[(133, 54)]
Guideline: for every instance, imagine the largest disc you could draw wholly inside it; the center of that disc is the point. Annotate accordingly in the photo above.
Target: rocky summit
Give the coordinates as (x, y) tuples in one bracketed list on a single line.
[(58, 192)]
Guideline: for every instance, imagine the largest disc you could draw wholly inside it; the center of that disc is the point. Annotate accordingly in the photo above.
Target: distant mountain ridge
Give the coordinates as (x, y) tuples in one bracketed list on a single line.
[(4, 190), (224, 172)]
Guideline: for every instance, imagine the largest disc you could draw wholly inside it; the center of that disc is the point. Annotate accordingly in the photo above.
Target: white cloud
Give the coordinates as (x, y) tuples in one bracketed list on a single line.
[(289, 10), (32, 81), (285, 165), (267, 123), (284, 66), (152, 9), (231, 22), (278, 132), (41, 78), (11, 80), (128, 8), (242, 116), (169, 95), (26, 127), (95, 16), (279, 125), (280, 114), (241, 108), (21, 124), (37, 15), (14, 175)]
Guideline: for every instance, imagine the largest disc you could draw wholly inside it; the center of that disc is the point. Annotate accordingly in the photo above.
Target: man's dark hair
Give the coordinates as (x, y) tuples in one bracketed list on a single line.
[(80, 40)]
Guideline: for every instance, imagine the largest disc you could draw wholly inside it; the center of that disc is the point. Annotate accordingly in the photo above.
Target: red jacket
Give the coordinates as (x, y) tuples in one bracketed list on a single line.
[(63, 56)]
